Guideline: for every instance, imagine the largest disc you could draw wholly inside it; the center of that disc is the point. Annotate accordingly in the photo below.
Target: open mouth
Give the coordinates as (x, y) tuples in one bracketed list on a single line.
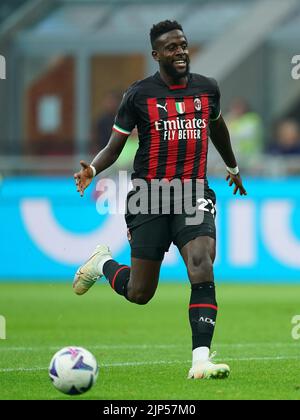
[(180, 64)]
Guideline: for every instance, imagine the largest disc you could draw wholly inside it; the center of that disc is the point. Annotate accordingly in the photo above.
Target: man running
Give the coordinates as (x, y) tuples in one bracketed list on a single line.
[(175, 112)]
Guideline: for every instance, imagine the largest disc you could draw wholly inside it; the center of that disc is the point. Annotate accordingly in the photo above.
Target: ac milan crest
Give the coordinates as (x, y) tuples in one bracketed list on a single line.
[(197, 103)]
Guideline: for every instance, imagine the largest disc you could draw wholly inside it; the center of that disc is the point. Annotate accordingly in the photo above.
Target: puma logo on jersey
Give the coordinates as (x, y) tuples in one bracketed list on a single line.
[(163, 107)]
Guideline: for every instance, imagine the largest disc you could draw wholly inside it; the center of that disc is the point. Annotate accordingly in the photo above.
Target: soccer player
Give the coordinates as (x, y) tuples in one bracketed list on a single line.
[(175, 112)]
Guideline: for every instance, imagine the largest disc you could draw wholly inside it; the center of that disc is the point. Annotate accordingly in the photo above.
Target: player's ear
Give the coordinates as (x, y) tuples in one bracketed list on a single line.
[(155, 55)]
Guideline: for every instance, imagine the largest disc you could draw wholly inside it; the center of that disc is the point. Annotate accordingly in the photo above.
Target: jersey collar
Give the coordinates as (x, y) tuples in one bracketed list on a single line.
[(172, 87)]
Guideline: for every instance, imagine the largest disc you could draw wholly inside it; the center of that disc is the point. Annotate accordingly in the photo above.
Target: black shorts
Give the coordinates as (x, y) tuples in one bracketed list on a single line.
[(150, 235)]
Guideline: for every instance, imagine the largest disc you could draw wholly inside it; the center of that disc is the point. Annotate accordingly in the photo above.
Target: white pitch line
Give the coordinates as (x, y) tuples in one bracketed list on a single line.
[(35, 369), (173, 362), (262, 359), (157, 362), (95, 347), (146, 346)]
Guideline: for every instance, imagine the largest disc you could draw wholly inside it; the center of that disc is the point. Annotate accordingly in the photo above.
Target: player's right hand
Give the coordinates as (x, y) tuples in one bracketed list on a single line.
[(84, 177)]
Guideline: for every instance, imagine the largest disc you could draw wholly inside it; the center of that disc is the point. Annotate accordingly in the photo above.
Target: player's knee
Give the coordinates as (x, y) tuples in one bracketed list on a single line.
[(200, 268), (140, 297)]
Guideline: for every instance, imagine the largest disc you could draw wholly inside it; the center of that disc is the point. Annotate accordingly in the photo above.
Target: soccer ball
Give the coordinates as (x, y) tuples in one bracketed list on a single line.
[(73, 370)]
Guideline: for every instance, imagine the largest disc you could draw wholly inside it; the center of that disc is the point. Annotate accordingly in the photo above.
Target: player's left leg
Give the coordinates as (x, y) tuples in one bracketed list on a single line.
[(197, 244), (199, 256)]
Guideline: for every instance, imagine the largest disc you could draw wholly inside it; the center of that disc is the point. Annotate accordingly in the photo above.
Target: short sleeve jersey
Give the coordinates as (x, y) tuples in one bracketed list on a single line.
[(173, 126)]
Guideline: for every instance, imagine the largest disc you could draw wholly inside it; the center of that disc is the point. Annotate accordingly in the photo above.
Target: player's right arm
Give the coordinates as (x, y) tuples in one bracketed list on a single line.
[(125, 122), (102, 161)]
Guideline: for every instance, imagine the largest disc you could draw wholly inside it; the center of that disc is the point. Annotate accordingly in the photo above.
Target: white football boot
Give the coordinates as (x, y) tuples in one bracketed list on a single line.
[(87, 275), (209, 370)]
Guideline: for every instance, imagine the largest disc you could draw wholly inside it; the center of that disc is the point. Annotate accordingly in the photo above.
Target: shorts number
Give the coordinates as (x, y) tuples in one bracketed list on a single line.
[(206, 205)]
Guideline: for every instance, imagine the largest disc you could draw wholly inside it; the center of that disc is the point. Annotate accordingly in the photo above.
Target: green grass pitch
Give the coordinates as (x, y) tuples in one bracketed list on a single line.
[(144, 351)]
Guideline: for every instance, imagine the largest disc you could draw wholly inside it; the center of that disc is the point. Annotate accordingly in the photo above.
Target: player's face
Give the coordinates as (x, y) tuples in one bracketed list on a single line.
[(172, 54)]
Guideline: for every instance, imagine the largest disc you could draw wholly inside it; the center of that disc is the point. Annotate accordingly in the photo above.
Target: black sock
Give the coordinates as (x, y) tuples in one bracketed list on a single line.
[(117, 275), (203, 314)]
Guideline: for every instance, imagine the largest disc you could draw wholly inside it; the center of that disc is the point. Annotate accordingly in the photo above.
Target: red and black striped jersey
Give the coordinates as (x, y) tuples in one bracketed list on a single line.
[(173, 126)]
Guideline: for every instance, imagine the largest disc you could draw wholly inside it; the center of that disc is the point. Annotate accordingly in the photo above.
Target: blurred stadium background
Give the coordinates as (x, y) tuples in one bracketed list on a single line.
[(67, 65)]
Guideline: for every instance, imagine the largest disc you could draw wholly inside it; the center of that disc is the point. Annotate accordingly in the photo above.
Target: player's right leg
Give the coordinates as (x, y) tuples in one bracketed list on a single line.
[(148, 240), (137, 283), (87, 275)]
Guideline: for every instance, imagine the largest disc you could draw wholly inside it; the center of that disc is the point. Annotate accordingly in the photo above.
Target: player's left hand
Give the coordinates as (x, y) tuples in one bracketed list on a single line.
[(237, 181)]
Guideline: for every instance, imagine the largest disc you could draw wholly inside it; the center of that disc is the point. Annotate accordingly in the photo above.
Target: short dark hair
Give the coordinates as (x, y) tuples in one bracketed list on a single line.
[(162, 28)]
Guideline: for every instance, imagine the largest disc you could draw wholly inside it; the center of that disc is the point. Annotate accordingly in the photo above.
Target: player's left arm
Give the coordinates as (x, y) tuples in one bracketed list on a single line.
[(220, 137)]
